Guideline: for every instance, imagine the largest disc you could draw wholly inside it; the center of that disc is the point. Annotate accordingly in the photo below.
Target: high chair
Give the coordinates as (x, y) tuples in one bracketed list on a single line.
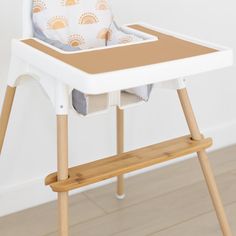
[(164, 58)]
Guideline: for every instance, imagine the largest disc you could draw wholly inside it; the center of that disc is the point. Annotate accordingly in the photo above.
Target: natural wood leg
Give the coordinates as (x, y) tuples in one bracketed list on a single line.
[(204, 162), (6, 110), (62, 153), (120, 149)]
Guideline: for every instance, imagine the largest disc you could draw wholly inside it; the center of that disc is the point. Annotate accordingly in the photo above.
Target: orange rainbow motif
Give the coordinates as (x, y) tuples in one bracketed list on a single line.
[(57, 22), (69, 2), (38, 6), (76, 40), (102, 5), (105, 34), (88, 18)]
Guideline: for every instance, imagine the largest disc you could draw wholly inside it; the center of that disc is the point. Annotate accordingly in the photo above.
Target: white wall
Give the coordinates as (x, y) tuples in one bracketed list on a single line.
[(29, 150)]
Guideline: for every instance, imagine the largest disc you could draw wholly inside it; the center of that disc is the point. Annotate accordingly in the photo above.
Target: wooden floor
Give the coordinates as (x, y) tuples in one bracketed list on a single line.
[(167, 202)]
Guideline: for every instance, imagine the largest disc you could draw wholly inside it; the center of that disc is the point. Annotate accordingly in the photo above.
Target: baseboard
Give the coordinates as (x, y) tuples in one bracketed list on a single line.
[(34, 192)]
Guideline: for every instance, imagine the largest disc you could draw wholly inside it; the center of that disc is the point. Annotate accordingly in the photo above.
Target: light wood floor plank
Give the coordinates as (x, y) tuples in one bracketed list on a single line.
[(196, 227), (227, 187), (42, 220)]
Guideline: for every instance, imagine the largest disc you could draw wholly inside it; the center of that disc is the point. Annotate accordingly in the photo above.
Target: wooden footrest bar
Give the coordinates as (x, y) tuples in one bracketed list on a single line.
[(127, 162)]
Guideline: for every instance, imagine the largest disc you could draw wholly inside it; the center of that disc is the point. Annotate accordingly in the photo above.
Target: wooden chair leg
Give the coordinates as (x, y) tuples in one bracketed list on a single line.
[(204, 162), (120, 149), (62, 153), (6, 110)]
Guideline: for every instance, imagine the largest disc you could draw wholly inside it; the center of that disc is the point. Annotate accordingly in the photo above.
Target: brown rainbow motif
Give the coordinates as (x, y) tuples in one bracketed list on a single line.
[(88, 18), (102, 5), (69, 2), (105, 34), (57, 22), (76, 40), (38, 6)]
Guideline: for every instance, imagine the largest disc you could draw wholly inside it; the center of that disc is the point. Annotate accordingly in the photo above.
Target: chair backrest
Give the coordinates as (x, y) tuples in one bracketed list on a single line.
[(115, 35), (27, 25)]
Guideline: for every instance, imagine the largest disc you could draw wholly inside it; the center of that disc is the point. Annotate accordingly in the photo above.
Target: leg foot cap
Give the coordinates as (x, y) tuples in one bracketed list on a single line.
[(120, 197)]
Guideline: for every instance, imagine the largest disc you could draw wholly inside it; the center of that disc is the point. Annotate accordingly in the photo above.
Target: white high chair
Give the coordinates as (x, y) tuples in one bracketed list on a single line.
[(164, 62)]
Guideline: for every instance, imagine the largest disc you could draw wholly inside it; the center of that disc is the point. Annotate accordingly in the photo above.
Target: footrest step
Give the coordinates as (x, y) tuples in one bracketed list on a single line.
[(100, 170)]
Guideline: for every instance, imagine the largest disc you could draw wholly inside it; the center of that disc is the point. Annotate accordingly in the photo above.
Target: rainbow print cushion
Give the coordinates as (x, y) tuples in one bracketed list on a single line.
[(78, 23)]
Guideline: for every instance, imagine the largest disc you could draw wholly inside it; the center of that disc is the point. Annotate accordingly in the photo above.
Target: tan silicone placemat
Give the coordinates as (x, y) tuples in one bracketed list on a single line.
[(167, 48)]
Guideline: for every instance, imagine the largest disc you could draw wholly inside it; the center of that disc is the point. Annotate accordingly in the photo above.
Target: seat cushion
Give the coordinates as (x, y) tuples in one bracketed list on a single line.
[(77, 23)]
